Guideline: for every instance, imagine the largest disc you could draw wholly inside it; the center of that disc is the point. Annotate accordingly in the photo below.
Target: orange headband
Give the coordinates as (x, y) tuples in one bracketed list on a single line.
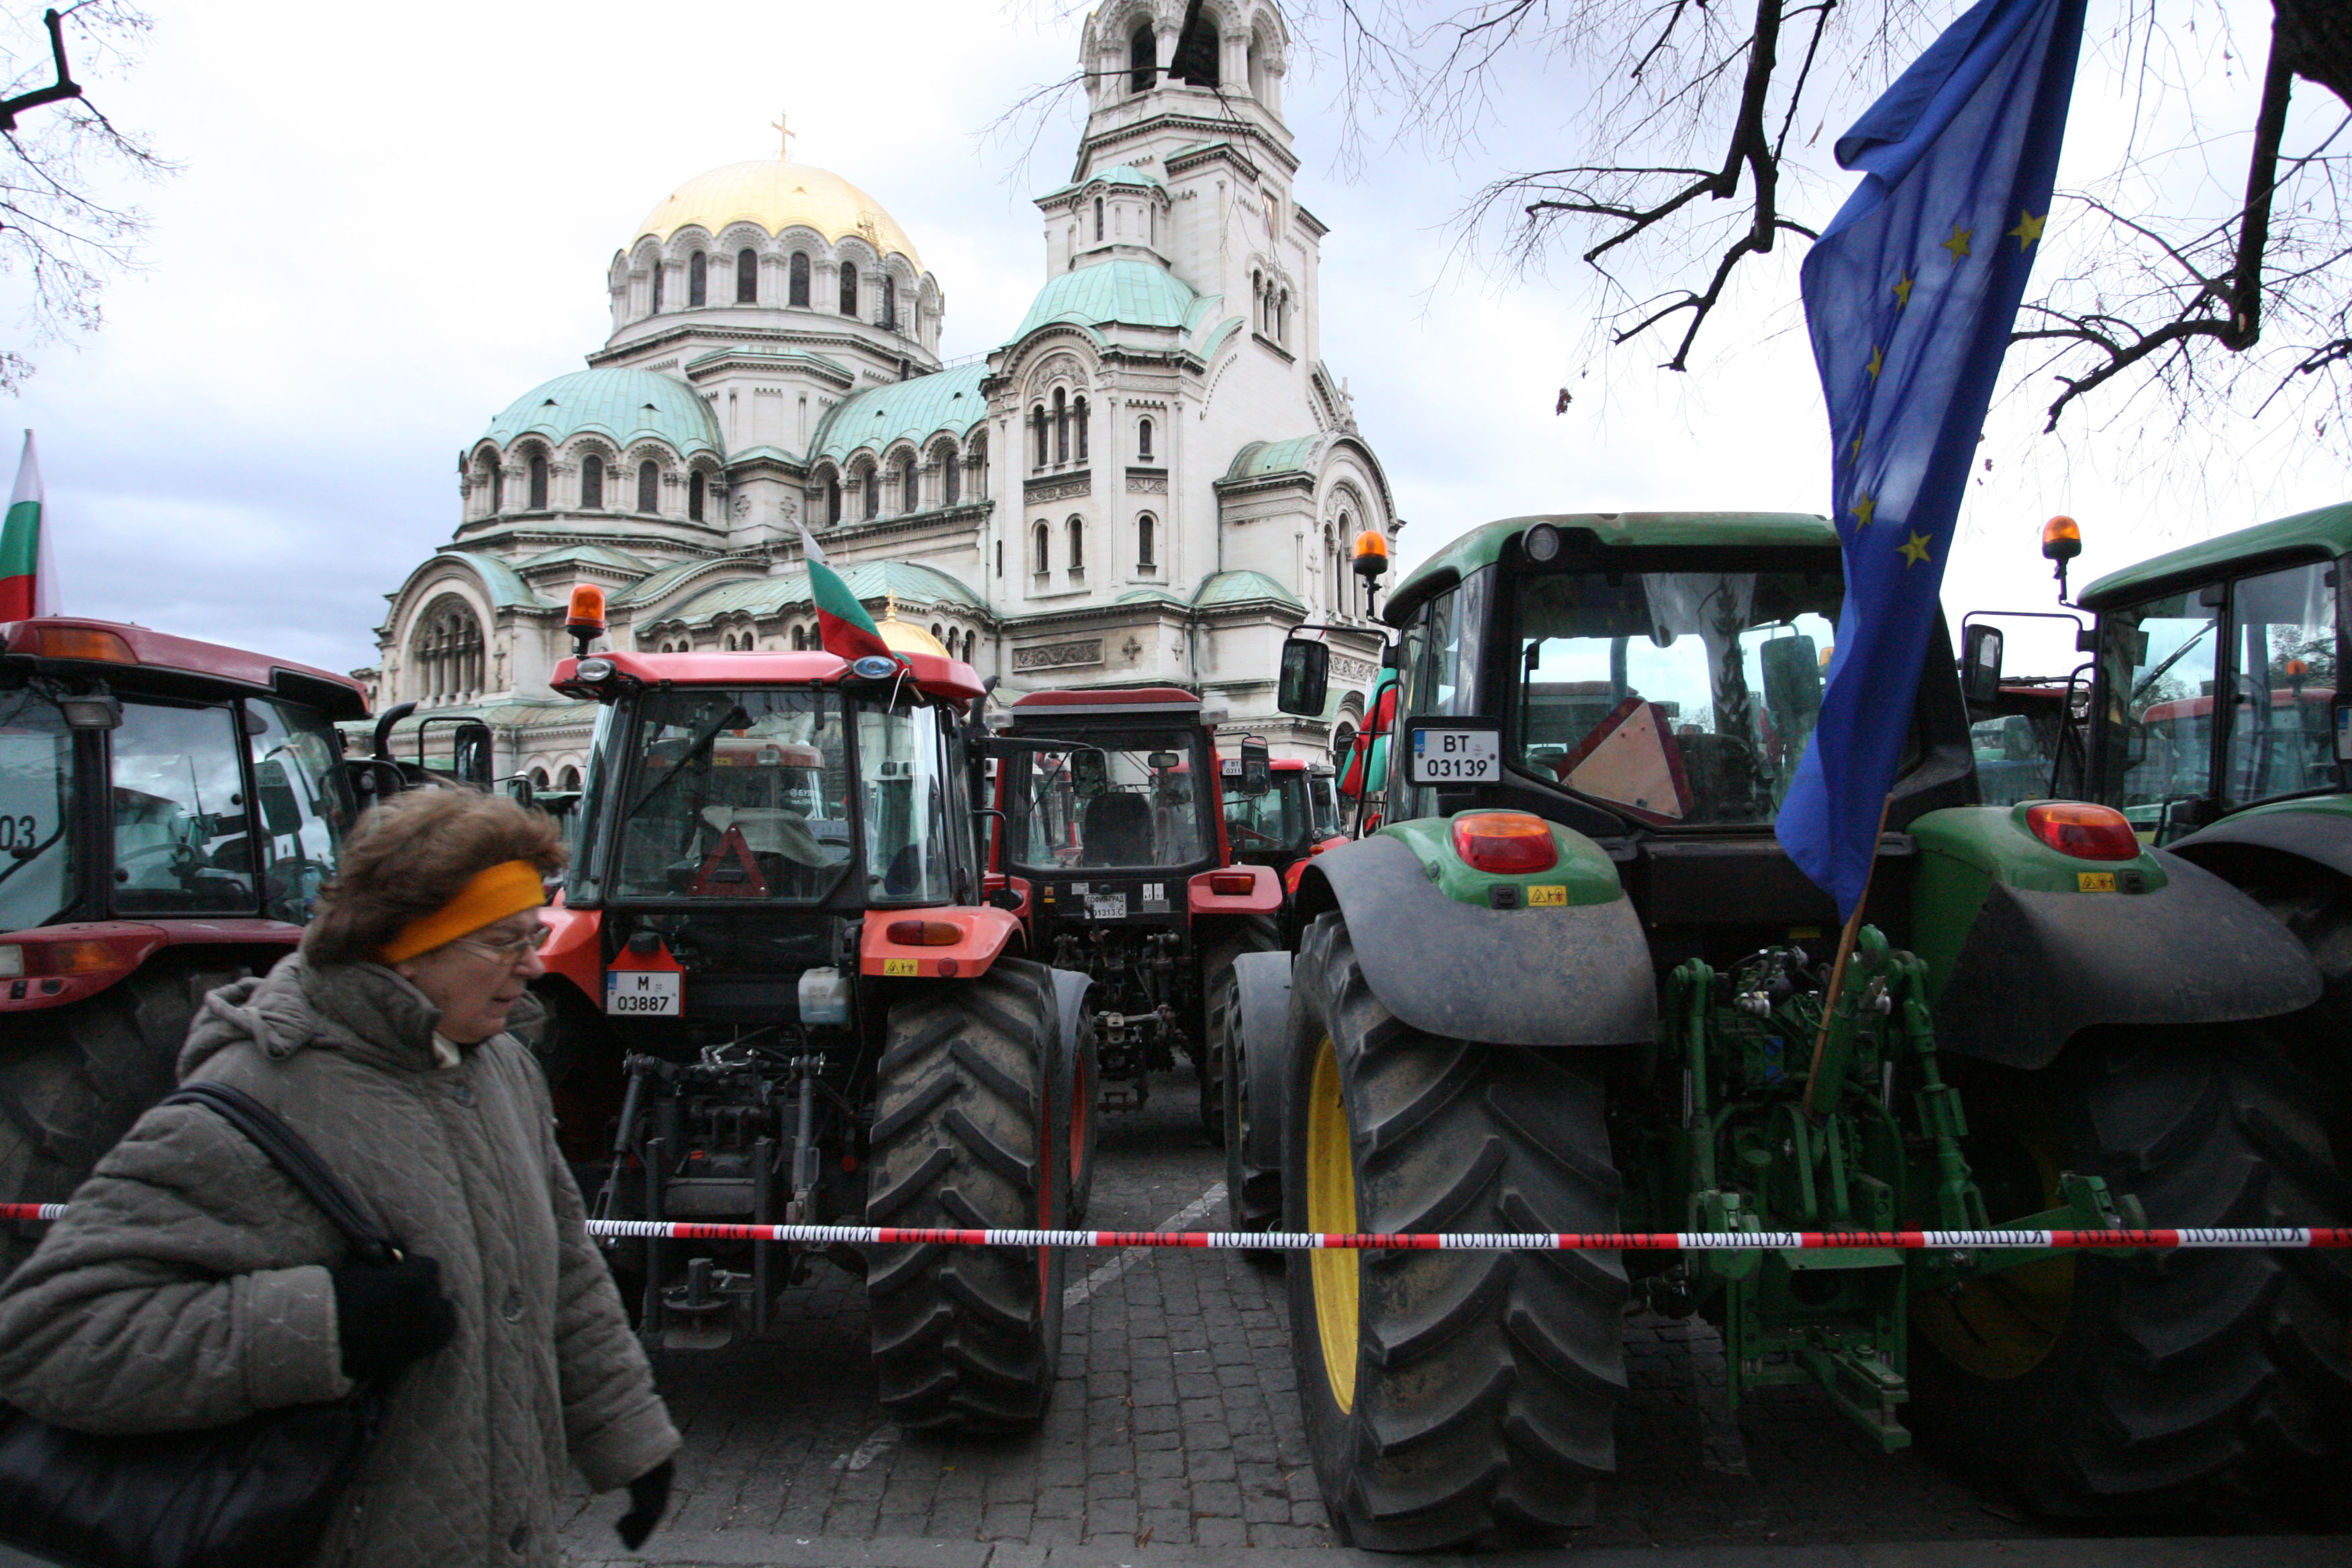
[(502, 891)]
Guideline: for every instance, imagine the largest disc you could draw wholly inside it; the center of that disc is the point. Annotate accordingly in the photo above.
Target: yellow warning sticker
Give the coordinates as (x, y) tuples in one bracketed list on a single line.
[(901, 966), (1555, 894), (2094, 881)]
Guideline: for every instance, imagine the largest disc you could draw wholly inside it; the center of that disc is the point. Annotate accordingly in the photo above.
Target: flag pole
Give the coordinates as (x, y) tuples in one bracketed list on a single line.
[(1844, 952)]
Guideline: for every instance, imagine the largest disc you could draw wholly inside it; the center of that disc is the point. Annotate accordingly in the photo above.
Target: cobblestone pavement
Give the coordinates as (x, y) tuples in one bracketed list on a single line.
[(1176, 1423)]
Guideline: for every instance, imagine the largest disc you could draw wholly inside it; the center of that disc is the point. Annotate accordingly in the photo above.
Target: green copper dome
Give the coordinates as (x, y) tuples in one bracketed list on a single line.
[(621, 406), (1122, 292)]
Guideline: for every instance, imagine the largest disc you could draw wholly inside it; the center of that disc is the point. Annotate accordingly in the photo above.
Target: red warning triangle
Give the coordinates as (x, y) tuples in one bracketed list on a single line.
[(730, 872)]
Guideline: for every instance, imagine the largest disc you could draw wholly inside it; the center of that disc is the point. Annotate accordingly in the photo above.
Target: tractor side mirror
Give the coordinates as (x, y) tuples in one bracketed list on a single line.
[(1792, 678), (469, 754), (1306, 680), (1258, 767), (1980, 663), (524, 793)]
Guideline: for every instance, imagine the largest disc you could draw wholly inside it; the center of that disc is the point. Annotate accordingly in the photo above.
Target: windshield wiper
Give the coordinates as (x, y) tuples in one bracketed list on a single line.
[(733, 719), (2158, 673)]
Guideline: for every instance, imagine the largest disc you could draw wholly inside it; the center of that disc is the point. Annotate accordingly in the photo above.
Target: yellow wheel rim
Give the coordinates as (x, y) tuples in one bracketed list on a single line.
[(1331, 1207), (2003, 1325)]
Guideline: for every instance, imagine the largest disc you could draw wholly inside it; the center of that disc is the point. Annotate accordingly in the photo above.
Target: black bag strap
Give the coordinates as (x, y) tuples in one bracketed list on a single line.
[(289, 1151)]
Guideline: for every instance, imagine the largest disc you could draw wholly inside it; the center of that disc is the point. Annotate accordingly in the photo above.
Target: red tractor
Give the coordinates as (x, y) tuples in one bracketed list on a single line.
[(168, 810), (1113, 850), (779, 996), (1287, 825)]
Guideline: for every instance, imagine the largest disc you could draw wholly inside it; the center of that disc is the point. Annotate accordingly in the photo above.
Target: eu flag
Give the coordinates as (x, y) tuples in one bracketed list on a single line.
[(1910, 294)]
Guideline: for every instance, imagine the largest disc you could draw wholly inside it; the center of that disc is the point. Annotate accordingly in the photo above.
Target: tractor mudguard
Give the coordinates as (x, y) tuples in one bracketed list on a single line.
[(1263, 980), (2037, 966), (983, 932), (2318, 830), (1070, 998), (1578, 976)]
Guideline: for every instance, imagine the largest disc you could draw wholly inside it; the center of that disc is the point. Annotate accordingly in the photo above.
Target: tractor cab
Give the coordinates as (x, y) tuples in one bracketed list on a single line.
[(1114, 839), (1279, 824)]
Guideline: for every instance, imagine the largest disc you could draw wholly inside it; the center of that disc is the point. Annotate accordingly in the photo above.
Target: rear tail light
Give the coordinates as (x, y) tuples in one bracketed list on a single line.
[(1231, 884), (923, 934), (1507, 843), (2086, 832)]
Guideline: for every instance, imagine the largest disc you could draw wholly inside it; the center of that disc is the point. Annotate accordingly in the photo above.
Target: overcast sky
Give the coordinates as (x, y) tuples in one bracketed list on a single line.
[(391, 222)]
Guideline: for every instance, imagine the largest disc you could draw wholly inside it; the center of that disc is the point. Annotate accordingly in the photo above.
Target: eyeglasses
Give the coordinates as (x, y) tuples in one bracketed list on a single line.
[(514, 950)]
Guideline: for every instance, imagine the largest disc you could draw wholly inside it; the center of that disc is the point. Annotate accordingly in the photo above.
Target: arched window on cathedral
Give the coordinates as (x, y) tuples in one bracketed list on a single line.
[(568, 779), (1256, 71), (658, 270), (695, 486), (1098, 229), (1077, 546), (539, 482), (648, 486), (1037, 428), (950, 476), (1142, 60), (799, 294), (1282, 319), (890, 303), (799, 643), (869, 486), (1041, 545), (445, 660), (698, 279), (1257, 301), (747, 276), (1343, 579), (591, 483), (849, 288), (538, 778), (1144, 543), (911, 485), (938, 634), (1061, 427), (496, 478), (833, 498), (1078, 425), (1143, 440), (976, 466)]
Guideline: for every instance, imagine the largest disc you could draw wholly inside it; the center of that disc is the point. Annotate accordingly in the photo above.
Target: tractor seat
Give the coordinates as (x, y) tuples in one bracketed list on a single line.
[(1116, 830)]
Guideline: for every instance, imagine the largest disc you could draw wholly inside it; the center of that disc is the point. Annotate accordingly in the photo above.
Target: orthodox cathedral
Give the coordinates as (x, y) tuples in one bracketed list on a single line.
[(1149, 481)]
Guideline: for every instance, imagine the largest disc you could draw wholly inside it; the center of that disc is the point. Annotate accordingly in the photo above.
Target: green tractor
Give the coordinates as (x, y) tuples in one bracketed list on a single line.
[(1572, 984), (2223, 728)]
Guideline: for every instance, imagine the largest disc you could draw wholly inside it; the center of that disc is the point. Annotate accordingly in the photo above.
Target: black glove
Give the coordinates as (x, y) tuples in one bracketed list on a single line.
[(389, 1314), (648, 1500)]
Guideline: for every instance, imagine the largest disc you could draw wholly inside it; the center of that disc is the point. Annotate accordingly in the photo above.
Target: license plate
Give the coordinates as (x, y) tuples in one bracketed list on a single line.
[(642, 992), (1107, 905), (1448, 756)]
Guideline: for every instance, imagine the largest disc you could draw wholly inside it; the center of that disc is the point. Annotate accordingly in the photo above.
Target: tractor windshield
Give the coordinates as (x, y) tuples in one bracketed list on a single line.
[(1280, 819), (1682, 699), (36, 791), (732, 794), (1133, 802)]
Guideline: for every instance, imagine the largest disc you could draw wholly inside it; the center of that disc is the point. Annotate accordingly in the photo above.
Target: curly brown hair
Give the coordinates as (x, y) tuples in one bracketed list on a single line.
[(411, 855)]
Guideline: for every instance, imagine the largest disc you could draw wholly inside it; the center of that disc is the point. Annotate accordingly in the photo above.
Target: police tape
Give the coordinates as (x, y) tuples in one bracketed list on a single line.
[(1464, 1241)]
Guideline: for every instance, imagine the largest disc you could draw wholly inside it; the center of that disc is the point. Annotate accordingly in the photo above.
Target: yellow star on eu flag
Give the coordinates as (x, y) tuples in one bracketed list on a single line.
[(1863, 508), (1903, 291), (1916, 551), (1877, 361), (2029, 227), (1959, 244)]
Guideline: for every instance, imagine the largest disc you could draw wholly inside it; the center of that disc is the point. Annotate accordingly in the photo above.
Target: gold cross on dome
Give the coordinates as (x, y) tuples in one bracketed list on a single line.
[(784, 134)]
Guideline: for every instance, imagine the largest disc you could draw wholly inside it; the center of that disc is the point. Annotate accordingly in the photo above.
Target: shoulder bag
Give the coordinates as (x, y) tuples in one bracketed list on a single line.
[(258, 1494)]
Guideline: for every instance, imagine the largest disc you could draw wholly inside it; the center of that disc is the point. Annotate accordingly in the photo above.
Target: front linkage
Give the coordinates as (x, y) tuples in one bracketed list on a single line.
[(1876, 1147)]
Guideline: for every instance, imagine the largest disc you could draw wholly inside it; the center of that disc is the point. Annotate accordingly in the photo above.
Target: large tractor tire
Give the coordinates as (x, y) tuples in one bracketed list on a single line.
[(2089, 1386), (1215, 1059), (1249, 1022), (1077, 1081), (968, 1338), (74, 1079), (1451, 1398)]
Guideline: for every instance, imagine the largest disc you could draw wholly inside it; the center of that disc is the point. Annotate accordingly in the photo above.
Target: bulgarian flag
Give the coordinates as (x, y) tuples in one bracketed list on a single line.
[(843, 626), (27, 583)]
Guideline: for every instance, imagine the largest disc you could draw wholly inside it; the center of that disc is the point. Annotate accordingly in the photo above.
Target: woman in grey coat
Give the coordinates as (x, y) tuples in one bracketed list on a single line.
[(192, 1285)]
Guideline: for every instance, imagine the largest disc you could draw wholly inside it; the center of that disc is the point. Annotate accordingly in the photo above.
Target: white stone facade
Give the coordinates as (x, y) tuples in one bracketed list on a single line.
[(1150, 481)]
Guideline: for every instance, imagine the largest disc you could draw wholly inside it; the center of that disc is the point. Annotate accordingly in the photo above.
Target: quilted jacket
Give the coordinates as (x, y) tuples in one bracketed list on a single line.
[(188, 1286)]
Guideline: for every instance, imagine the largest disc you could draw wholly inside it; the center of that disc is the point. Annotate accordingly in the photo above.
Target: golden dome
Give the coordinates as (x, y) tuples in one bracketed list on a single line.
[(901, 636), (776, 195)]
